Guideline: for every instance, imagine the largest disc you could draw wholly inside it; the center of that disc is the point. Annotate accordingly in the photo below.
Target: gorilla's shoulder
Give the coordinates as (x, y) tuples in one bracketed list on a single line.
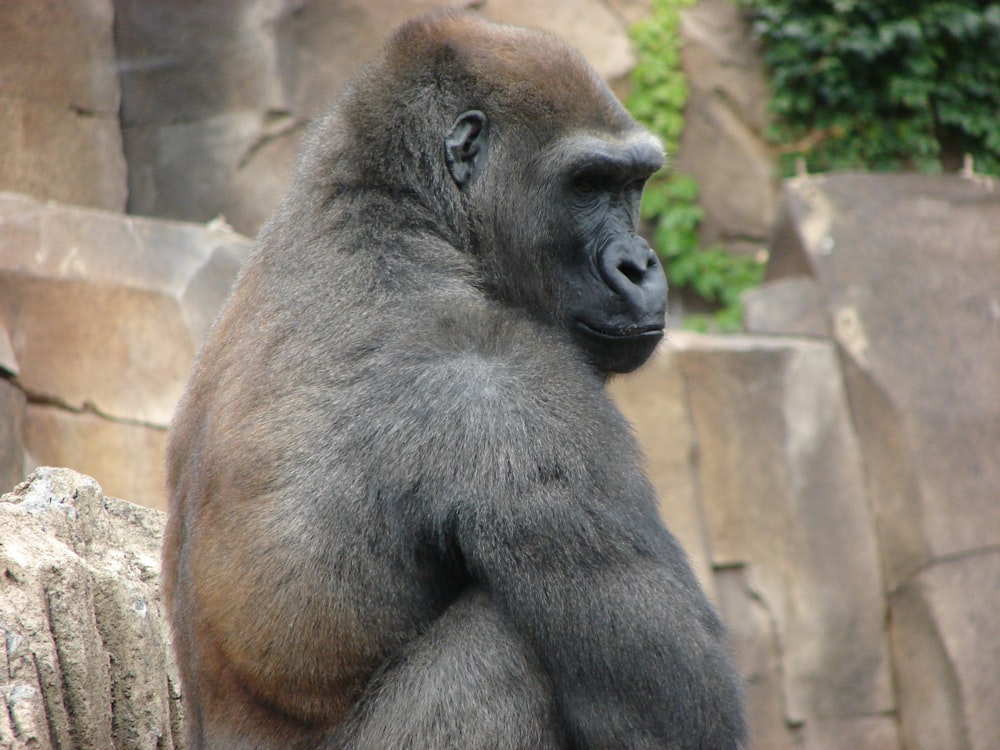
[(480, 375), (478, 347)]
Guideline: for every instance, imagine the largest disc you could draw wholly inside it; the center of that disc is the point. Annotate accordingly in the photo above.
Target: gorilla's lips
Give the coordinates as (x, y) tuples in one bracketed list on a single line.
[(618, 349), (647, 333)]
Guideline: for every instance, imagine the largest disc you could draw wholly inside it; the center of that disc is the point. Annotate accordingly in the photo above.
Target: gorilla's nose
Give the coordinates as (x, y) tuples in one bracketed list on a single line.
[(633, 272)]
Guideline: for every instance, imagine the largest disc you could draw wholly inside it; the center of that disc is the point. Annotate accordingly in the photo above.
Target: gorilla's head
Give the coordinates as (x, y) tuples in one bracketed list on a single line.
[(531, 163)]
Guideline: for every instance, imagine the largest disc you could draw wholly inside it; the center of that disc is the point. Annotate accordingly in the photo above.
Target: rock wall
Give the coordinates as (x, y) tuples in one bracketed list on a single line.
[(214, 102), (906, 267), (190, 112), (100, 318), (785, 530), (59, 99), (723, 144), (194, 112), (842, 481)]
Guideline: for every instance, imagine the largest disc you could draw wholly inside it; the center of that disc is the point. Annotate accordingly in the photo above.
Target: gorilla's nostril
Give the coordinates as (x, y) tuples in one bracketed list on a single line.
[(632, 271)]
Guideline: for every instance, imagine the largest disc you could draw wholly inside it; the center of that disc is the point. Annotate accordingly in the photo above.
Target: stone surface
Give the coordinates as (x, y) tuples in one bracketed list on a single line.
[(783, 490), (106, 311), (908, 272), (790, 307), (946, 649), (127, 459), (722, 145), (8, 362), (86, 662), (653, 400), (59, 132), (215, 100), (908, 268), (12, 417)]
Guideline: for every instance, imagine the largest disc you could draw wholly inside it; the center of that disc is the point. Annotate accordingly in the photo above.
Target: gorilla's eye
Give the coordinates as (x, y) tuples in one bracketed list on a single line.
[(584, 185), (635, 186)]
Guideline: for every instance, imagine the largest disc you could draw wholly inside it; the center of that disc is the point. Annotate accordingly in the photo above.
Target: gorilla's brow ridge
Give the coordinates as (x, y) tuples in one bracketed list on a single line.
[(638, 154)]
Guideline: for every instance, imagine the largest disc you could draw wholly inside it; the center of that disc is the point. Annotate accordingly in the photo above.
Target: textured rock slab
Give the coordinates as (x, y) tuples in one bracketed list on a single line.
[(909, 267), (783, 490), (106, 311), (87, 662), (788, 307), (215, 100), (59, 133), (12, 416), (946, 648)]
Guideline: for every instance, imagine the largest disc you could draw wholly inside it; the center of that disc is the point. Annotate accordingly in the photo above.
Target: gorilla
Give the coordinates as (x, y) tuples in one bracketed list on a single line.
[(403, 511)]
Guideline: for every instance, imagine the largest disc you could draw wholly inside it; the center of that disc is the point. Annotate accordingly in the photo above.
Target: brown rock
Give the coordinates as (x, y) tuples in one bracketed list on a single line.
[(757, 646), (59, 132), (214, 102), (127, 459), (787, 307), (946, 650), (106, 311), (908, 267), (12, 417), (8, 362), (87, 659), (782, 484)]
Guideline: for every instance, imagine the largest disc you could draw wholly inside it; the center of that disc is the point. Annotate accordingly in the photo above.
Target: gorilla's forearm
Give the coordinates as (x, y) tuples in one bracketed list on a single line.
[(619, 623)]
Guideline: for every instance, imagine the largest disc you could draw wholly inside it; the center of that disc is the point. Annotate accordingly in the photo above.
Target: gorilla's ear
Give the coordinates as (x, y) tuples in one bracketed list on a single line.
[(465, 147)]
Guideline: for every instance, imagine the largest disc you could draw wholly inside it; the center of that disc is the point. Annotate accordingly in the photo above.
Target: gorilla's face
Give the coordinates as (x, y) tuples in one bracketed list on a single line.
[(617, 293), (561, 236)]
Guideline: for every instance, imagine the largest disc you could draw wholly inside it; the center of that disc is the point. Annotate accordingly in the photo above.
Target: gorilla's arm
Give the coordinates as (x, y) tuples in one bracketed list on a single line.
[(633, 650)]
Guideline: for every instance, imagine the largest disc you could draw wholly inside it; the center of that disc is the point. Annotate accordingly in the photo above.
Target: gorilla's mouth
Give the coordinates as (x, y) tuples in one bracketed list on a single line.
[(628, 333)]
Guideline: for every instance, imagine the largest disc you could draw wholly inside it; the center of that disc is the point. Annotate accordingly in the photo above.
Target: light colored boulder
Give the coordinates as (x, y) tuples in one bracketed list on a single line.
[(59, 133), (780, 474), (126, 458), (946, 652), (104, 311), (86, 661), (908, 269)]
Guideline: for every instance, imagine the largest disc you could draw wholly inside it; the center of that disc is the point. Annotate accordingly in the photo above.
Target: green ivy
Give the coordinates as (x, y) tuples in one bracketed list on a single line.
[(899, 84), (670, 202)]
